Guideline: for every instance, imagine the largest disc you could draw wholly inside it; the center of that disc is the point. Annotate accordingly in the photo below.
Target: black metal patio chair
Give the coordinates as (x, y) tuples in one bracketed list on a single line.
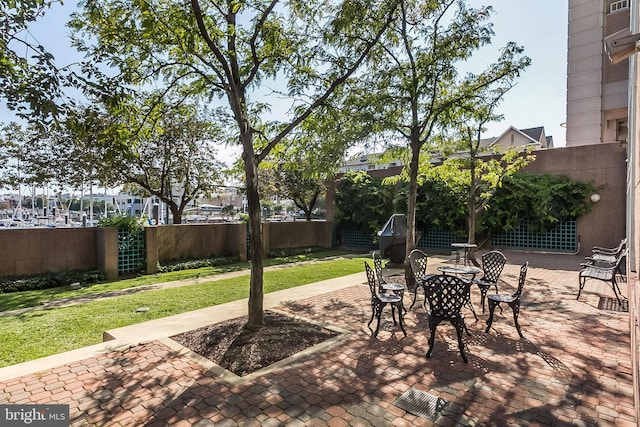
[(512, 299), (380, 300), (492, 265), (447, 295), (387, 284), (418, 264)]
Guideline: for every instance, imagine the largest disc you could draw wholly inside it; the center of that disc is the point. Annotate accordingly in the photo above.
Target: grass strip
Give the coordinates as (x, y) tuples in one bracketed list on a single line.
[(17, 300), (42, 333)]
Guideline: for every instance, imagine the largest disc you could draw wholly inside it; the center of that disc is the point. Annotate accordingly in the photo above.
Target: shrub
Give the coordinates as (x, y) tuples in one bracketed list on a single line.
[(193, 264), (365, 203), (544, 200), (133, 224), (289, 252), (49, 280)]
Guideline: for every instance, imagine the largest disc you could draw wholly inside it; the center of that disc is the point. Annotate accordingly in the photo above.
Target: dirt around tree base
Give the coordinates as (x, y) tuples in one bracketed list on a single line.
[(243, 352)]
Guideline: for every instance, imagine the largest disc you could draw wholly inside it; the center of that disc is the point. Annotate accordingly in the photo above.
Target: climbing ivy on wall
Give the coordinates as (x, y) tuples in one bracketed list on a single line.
[(363, 202), (543, 199), (366, 203)]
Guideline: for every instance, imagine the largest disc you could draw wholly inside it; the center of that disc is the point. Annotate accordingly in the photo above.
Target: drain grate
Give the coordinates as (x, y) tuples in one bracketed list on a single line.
[(611, 304), (421, 404)]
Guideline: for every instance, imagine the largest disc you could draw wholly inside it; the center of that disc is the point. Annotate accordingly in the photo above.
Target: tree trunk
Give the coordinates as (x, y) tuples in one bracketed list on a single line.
[(471, 215), (411, 213), (175, 213), (256, 295)]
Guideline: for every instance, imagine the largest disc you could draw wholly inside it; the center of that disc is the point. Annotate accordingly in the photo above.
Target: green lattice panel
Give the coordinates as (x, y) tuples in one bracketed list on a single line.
[(561, 238), (435, 238), (131, 251), (356, 239)]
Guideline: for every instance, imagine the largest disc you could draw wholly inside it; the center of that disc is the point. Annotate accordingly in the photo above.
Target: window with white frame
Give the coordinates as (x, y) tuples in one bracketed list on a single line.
[(617, 5)]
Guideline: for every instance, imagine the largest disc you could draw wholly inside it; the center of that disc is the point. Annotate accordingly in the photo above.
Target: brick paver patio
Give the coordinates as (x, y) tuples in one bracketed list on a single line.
[(572, 368)]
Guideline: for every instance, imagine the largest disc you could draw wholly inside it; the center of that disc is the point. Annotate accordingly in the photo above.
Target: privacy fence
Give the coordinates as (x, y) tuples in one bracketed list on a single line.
[(31, 251), (562, 239)]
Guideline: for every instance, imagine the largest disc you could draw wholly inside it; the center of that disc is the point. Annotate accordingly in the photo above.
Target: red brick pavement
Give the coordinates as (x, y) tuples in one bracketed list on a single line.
[(573, 367)]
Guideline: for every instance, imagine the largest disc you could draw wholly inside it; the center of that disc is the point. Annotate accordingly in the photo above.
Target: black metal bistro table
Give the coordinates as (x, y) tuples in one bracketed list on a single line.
[(466, 247)]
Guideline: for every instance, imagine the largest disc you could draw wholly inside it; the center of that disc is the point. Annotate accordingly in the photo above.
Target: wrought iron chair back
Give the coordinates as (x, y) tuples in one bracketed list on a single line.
[(447, 295), (377, 264), (371, 279), (418, 263), (492, 265), (521, 280)]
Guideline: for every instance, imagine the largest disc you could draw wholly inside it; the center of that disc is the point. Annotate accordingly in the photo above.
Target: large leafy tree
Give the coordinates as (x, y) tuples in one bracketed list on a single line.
[(301, 184), (10, 136), (165, 150), (28, 155), (231, 51), (475, 169), (30, 81), (419, 89), (174, 160), (305, 162), (77, 148)]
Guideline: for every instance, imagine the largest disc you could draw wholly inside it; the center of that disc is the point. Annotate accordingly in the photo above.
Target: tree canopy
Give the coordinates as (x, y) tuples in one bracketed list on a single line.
[(30, 80), (232, 52), (418, 89), (472, 168)]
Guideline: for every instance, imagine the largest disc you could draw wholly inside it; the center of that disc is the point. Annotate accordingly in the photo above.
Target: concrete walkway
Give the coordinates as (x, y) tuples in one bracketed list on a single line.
[(573, 367)]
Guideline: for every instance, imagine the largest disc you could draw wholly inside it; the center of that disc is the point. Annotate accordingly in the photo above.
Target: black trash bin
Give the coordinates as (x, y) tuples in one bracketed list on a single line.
[(393, 239)]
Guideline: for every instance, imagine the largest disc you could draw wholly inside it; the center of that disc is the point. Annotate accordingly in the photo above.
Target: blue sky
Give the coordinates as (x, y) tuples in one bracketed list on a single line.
[(539, 98)]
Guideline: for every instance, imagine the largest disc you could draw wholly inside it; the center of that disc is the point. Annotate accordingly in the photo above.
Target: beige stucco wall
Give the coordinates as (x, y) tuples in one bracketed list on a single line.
[(605, 166), (107, 251), (298, 234), (198, 241), (31, 251), (36, 250), (511, 139)]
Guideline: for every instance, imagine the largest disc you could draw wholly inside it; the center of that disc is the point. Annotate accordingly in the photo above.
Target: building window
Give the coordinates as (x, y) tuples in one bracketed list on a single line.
[(622, 130), (617, 5)]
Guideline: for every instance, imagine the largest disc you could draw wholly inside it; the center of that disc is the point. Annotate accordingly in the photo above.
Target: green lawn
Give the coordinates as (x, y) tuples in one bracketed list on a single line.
[(44, 332), (16, 300)]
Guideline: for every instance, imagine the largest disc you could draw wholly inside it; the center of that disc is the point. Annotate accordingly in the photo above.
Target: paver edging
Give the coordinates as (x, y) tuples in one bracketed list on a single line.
[(290, 361)]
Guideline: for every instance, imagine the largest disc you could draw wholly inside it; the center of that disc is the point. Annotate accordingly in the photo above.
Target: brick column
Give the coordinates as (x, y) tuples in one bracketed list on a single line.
[(107, 251), (151, 246)]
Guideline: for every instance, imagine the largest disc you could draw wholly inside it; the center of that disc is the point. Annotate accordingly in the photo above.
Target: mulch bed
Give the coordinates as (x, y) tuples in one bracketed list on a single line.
[(242, 351)]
